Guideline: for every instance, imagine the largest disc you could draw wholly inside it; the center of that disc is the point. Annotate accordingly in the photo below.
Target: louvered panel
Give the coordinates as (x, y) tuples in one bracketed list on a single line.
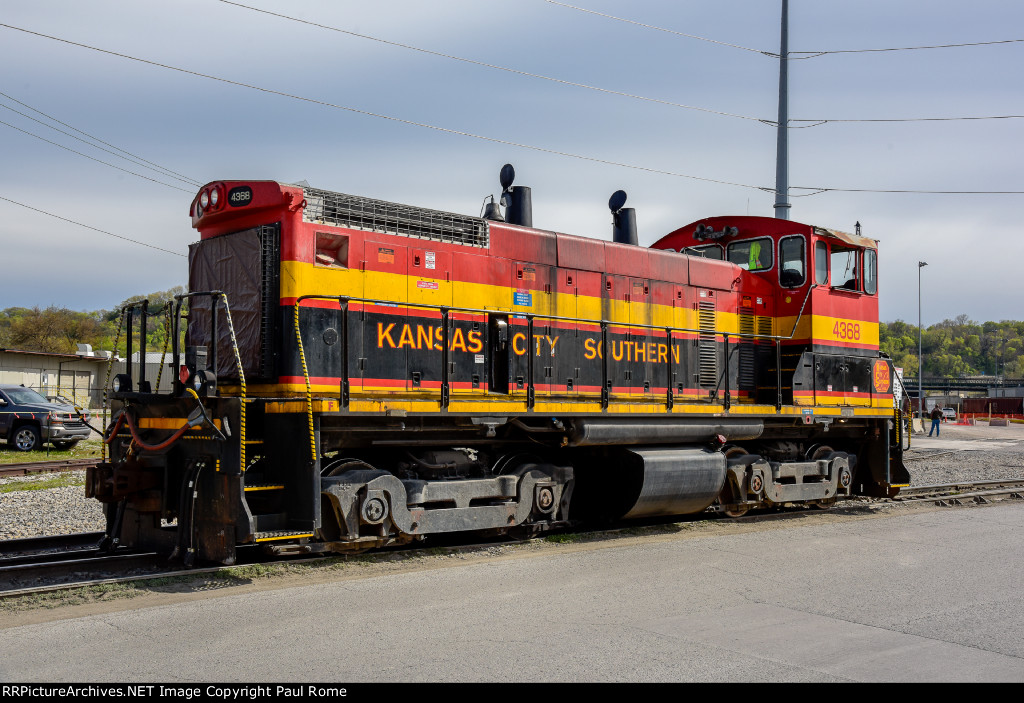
[(707, 354), (747, 357)]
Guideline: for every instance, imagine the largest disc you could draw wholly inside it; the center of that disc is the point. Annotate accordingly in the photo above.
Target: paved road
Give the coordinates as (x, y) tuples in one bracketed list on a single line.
[(904, 596)]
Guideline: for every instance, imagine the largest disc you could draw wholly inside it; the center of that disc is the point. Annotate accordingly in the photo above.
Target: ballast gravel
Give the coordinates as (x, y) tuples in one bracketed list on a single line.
[(961, 453)]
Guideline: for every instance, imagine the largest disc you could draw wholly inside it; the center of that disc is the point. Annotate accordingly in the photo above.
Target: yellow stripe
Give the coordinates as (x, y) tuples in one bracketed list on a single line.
[(263, 488), (272, 539), (166, 423)]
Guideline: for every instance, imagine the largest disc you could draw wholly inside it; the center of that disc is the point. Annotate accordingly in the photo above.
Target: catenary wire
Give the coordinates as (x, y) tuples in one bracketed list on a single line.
[(97, 139), (496, 140), (94, 146), (95, 229), (500, 68), (91, 158)]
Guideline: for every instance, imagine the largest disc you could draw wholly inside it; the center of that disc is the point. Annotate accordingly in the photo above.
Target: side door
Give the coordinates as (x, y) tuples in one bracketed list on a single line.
[(382, 365)]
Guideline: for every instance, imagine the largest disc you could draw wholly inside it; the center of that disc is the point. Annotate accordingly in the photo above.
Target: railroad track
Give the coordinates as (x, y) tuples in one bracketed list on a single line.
[(42, 467), (42, 564), (957, 493)]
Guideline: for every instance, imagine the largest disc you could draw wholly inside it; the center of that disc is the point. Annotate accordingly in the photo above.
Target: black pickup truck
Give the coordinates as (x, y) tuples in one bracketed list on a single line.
[(27, 420)]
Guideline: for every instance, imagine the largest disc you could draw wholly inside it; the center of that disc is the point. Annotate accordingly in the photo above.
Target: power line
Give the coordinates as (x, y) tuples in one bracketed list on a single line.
[(111, 234), (335, 106), (662, 29), (497, 67), (97, 139), (815, 54), (143, 163), (92, 158), (822, 121), (769, 122), (269, 91)]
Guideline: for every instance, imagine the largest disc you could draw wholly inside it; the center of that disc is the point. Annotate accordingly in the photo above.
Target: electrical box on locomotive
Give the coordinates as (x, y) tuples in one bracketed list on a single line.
[(358, 373)]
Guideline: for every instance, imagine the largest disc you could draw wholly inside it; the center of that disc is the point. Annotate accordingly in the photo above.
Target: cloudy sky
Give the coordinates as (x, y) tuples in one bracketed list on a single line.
[(190, 129)]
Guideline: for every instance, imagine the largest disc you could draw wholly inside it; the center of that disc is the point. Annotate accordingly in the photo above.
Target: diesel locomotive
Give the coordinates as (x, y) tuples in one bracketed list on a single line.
[(357, 373)]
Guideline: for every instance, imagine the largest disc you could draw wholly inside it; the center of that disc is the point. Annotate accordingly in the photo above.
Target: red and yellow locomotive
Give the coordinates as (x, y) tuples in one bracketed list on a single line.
[(359, 373)]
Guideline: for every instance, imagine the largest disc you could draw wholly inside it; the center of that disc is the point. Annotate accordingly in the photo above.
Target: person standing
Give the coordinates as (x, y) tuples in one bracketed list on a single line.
[(936, 421)]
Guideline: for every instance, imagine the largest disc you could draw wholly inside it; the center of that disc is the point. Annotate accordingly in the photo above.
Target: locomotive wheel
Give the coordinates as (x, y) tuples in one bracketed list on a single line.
[(340, 466), (730, 452), (821, 451)]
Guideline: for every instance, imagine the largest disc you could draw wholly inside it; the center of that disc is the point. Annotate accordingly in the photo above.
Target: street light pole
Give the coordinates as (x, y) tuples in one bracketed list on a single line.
[(920, 358)]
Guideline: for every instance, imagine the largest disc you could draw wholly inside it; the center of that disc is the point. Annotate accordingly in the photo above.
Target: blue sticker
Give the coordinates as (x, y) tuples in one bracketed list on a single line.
[(522, 297)]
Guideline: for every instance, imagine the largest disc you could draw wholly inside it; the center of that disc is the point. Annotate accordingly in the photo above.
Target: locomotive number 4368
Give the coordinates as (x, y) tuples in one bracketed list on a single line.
[(846, 330)]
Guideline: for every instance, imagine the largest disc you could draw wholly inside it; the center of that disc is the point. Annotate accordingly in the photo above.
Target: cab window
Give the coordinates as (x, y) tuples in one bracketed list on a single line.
[(708, 251), (820, 263), (843, 265), (752, 255), (792, 273), (870, 271)]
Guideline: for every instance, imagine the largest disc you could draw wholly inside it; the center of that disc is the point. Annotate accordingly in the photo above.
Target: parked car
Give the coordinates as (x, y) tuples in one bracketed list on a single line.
[(948, 414), (27, 420)]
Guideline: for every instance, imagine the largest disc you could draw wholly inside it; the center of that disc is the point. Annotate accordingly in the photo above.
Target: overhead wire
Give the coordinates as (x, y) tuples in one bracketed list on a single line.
[(662, 29), (159, 170), (97, 139), (775, 55), (369, 113), (472, 135), (816, 121), (815, 54), (95, 229), (496, 66), (91, 158)]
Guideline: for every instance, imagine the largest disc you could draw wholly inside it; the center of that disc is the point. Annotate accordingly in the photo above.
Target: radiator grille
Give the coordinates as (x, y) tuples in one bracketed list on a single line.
[(354, 212), (747, 351), (707, 355)]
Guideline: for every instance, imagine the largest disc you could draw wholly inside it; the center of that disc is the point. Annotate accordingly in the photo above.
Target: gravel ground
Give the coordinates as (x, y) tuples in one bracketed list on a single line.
[(960, 454)]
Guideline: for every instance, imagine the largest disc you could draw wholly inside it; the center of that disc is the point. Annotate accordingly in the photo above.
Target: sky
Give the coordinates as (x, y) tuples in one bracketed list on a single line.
[(666, 156)]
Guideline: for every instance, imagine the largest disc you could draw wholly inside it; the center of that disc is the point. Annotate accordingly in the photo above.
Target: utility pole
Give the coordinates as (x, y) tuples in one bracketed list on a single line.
[(782, 154), (920, 359)]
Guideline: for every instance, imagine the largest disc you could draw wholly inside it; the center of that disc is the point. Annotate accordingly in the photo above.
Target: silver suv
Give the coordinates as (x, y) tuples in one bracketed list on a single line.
[(27, 420), (949, 413)]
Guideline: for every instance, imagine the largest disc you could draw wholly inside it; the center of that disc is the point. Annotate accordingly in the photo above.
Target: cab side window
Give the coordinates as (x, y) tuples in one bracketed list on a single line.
[(708, 251), (844, 268), (870, 271), (820, 263), (792, 273), (752, 255)]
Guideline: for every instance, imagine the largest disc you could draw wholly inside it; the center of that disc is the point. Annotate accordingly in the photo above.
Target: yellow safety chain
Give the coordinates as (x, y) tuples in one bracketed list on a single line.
[(241, 380), (309, 390), (106, 385)]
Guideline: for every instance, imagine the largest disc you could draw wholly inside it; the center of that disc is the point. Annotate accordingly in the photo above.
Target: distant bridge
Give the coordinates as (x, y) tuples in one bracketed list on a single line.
[(973, 385)]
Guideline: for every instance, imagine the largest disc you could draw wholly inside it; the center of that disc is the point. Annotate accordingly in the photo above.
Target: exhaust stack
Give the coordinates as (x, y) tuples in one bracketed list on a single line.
[(623, 219), (518, 200)]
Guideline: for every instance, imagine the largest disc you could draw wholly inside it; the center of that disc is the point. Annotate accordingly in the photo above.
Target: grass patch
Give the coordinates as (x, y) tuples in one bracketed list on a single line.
[(564, 539), (86, 449), (58, 481)]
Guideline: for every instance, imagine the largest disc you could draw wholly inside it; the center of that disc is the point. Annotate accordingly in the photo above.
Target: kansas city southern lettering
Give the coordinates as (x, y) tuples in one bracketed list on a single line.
[(592, 349), (427, 337)]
